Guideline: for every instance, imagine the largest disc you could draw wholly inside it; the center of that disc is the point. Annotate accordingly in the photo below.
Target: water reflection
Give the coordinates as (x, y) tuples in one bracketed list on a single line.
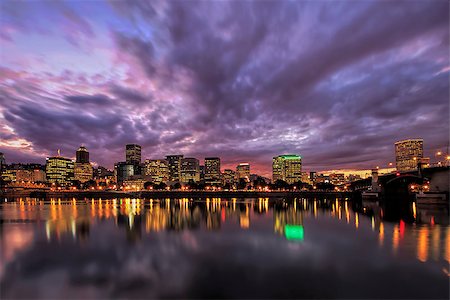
[(312, 227)]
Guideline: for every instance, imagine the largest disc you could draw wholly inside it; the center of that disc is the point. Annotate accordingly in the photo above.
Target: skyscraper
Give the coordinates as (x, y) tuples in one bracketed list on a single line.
[(59, 170), (287, 168), (82, 155), (83, 170), (212, 170), (174, 166), (408, 153), (157, 169), (2, 163), (243, 171), (124, 171), (133, 154), (229, 176), (190, 170)]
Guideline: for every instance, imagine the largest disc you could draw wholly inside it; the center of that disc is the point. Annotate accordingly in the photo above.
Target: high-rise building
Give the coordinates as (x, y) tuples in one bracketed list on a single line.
[(82, 155), (2, 163), (174, 166), (202, 172), (190, 170), (408, 153), (287, 168), (2, 168), (229, 176), (243, 171), (59, 170), (212, 170), (83, 170), (124, 171), (133, 154), (157, 170)]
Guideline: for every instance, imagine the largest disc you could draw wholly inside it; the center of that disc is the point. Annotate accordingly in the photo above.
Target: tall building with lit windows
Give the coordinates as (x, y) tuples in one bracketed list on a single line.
[(59, 170), (157, 170), (212, 170), (287, 168), (408, 153), (243, 172), (174, 162), (190, 170), (83, 170), (229, 176), (133, 154)]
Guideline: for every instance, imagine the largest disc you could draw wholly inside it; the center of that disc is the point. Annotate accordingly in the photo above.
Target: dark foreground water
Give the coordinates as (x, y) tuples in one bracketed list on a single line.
[(235, 248)]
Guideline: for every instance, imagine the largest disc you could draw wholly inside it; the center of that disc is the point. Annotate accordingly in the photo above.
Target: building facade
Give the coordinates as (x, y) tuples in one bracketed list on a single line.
[(123, 171), (174, 162), (83, 170), (229, 177), (157, 170), (287, 168), (243, 172), (133, 154), (212, 170), (408, 153), (59, 170), (82, 155), (190, 170)]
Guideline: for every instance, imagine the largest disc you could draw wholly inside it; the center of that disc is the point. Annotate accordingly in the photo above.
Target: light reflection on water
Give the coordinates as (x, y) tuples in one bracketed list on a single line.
[(169, 247)]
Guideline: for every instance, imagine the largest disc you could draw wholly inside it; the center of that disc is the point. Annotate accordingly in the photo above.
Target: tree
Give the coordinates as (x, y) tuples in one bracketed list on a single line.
[(177, 186), (325, 186), (148, 185), (161, 186), (280, 184), (192, 185), (259, 182), (242, 184)]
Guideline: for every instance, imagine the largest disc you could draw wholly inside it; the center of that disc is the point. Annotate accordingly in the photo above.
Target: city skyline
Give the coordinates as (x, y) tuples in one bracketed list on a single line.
[(388, 167), (204, 80)]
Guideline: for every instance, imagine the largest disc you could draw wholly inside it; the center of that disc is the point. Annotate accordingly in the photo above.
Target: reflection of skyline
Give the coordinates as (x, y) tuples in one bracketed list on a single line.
[(136, 218)]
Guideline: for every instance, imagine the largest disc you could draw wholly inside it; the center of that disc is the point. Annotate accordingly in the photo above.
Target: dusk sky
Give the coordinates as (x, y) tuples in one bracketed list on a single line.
[(337, 82)]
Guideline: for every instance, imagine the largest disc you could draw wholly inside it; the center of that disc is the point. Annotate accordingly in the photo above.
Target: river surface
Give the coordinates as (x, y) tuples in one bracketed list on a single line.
[(222, 248)]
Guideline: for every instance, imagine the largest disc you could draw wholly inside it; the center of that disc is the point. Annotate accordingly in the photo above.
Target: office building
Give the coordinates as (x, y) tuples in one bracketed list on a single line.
[(59, 170), (83, 170), (2, 163), (229, 177), (82, 155), (202, 172), (287, 168), (212, 170), (174, 162), (157, 170), (133, 154), (243, 172), (124, 171), (408, 153), (190, 170)]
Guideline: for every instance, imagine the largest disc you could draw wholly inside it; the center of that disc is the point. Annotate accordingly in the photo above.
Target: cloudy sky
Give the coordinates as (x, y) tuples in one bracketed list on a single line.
[(337, 82)]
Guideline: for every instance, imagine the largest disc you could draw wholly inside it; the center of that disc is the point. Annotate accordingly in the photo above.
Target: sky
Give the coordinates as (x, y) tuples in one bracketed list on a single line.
[(337, 82)]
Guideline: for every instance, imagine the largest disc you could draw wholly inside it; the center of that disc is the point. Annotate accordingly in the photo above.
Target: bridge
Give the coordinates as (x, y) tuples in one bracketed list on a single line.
[(433, 180)]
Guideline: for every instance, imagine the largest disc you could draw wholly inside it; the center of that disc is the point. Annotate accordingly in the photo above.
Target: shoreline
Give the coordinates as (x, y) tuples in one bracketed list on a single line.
[(173, 194)]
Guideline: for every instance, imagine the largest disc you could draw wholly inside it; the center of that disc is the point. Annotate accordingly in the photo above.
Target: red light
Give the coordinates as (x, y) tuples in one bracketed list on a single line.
[(222, 214), (402, 228), (398, 174)]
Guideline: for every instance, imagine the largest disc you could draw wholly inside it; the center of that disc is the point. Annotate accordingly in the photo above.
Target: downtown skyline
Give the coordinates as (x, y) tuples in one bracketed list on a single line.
[(204, 80)]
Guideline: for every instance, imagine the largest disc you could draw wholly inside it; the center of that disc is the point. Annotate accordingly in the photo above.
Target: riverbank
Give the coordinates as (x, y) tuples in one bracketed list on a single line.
[(13, 194)]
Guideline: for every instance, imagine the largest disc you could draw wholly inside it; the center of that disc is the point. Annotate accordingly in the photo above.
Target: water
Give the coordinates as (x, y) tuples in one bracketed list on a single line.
[(218, 248)]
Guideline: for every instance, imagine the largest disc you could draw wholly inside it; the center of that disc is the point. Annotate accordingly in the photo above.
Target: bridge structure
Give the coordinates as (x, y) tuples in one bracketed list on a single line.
[(428, 181)]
